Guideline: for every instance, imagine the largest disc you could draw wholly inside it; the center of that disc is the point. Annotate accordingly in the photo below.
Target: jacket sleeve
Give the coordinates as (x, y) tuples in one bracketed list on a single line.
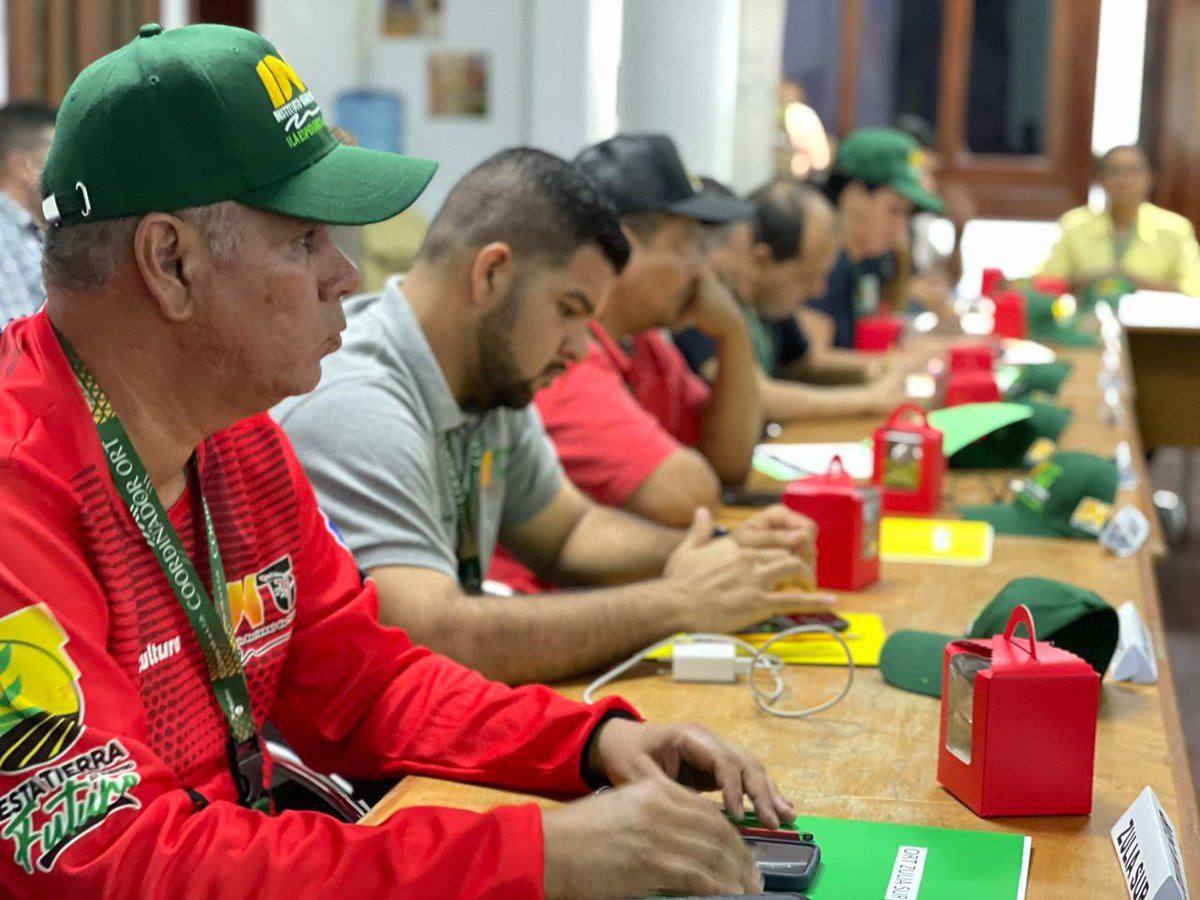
[(87, 809)]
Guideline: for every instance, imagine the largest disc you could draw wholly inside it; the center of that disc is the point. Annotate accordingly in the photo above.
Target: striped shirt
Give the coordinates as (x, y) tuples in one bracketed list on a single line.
[(21, 292)]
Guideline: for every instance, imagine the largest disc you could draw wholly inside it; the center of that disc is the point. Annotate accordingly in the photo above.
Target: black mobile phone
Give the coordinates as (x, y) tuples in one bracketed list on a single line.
[(784, 621), (740, 496), (785, 865)]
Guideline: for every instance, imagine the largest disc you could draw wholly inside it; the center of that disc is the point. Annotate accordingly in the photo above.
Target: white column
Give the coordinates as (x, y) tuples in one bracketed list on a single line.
[(679, 71)]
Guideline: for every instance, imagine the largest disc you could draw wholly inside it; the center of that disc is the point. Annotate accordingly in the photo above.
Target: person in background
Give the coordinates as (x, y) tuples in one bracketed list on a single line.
[(633, 426), (875, 184), (167, 582), (1150, 247), (26, 131), (433, 392), (773, 263), (926, 273)]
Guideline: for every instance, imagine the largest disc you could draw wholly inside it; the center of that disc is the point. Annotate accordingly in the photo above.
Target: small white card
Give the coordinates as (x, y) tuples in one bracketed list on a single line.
[(1126, 531), (1148, 851), (1134, 659)]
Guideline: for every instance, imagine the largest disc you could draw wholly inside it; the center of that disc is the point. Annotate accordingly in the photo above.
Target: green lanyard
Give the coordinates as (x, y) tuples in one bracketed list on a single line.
[(211, 621), (466, 500)]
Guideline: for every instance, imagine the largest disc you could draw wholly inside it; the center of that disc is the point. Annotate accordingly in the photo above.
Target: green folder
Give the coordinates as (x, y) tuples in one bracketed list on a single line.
[(879, 860)]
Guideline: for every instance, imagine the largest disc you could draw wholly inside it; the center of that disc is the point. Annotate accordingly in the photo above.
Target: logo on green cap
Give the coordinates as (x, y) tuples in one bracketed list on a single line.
[(1037, 487), (300, 115)]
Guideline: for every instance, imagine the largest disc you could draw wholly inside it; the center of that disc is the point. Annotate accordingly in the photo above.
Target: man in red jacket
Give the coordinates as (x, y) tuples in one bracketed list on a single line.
[(192, 283)]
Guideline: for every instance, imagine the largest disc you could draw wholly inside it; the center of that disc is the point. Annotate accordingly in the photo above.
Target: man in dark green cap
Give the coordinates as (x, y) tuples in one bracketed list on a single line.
[(192, 283), (875, 184)]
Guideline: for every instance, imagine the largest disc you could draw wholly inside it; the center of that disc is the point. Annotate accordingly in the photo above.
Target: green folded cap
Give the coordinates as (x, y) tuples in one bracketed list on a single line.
[(206, 113), (1047, 378), (885, 157), (1045, 326), (1060, 494), (1006, 447), (1072, 618)]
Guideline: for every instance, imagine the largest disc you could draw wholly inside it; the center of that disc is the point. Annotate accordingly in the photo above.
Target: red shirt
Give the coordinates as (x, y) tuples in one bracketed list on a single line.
[(107, 713), (614, 417)]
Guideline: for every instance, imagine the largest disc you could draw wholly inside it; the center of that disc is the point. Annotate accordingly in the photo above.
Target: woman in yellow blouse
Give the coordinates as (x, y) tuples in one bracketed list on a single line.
[(1151, 247)]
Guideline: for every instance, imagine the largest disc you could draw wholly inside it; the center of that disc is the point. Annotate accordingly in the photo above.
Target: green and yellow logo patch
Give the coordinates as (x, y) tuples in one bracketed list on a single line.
[(41, 708)]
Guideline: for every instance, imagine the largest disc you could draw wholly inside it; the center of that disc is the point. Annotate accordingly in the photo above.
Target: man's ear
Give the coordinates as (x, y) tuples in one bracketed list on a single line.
[(762, 254), (170, 254), (493, 272)]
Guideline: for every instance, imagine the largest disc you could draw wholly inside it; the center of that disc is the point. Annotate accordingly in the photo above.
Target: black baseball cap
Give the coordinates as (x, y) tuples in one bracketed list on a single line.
[(643, 173)]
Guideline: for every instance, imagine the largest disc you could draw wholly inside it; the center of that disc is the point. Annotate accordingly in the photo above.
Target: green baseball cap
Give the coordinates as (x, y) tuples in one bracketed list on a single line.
[(1068, 495), (206, 113), (1045, 325), (1006, 447), (1046, 378), (885, 157), (1074, 619)]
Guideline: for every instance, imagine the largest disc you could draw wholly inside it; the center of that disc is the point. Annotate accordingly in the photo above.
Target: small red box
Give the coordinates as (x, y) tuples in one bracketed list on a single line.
[(1009, 319), (972, 387), (993, 280), (847, 517), (909, 462), (875, 334), (1018, 735), (1049, 284), (972, 358)]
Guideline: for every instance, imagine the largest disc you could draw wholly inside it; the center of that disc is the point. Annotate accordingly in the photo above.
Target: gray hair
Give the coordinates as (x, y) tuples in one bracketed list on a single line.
[(87, 255)]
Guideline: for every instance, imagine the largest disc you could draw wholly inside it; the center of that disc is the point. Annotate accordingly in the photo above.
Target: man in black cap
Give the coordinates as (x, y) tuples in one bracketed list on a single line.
[(633, 426)]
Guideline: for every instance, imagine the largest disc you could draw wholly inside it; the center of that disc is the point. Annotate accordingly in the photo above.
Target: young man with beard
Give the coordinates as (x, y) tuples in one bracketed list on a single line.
[(773, 263), (424, 448)]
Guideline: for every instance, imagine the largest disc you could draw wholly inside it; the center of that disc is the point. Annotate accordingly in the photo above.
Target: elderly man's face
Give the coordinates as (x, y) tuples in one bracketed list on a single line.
[(273, 309)]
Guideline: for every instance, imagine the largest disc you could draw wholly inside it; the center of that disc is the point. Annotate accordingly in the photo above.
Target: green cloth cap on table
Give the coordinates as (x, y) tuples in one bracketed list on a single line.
[(1071, 617)]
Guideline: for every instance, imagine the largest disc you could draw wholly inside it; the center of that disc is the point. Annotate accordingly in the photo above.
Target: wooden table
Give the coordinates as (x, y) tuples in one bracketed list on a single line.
[(874, 755)]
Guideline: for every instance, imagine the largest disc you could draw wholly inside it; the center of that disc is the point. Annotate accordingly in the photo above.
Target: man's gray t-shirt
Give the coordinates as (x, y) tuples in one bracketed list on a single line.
[(370, 436)]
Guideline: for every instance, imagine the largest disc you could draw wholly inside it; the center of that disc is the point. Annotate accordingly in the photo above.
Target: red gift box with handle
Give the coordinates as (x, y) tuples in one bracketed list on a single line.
[(909, 463), (847, 518), (1018, 732)]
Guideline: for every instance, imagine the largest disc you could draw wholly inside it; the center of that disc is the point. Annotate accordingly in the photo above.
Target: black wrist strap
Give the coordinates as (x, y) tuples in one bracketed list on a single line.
[(590, 778)]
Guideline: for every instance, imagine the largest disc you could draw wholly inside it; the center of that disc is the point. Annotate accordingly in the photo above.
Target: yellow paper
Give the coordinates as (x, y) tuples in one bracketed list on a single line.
[(946, 541), (865, 638)]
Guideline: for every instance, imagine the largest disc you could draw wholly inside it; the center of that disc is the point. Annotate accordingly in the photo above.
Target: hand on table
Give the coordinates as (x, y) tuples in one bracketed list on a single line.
[(729, 586), (783, 528), (651, 832)]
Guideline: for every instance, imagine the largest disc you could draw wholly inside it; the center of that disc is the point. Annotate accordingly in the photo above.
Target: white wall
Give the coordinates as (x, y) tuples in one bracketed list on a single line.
[(330, 52)]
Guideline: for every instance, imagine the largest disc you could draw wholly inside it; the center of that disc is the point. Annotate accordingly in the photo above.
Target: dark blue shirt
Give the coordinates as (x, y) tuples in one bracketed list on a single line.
[(851, 294)]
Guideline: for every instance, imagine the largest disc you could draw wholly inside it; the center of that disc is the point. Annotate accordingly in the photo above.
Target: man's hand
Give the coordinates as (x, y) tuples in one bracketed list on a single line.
[(712, 309), (730, 586), (782, 528), (693, 756), (651, 835)]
